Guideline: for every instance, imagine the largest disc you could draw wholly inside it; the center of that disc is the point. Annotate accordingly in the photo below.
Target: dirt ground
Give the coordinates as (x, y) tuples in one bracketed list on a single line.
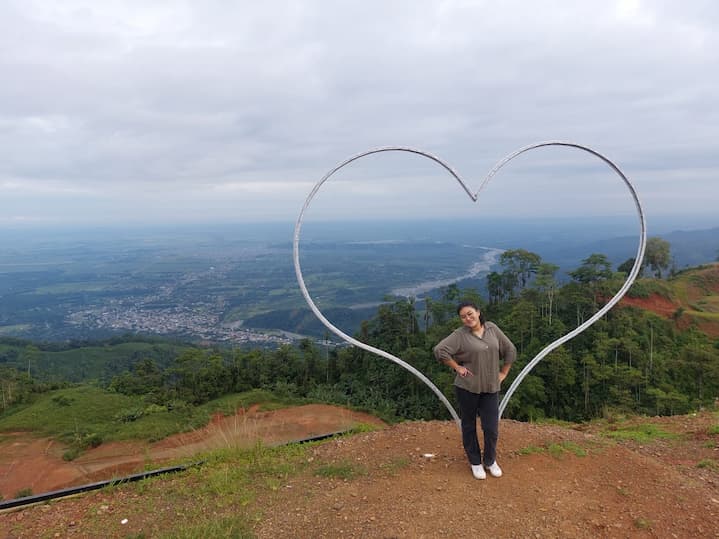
[(616, 490), (28, 462), (567, 482)]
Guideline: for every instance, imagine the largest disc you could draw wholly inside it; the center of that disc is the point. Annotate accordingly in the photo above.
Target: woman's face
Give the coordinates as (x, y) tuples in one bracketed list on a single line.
[(469, 316)]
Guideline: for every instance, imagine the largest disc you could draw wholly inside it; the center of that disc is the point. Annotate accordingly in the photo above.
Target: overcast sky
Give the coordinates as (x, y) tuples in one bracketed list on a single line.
[(165, 111)]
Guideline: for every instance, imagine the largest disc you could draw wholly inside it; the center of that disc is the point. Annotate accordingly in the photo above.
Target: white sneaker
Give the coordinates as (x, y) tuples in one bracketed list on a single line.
[(495, 470), (478, 471)]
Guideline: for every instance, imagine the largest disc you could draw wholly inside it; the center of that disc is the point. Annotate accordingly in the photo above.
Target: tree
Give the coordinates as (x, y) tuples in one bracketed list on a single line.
[(520, 265), (626, 266), (30, 356), (145, 377), (657, 255), (545, 282), (15, 386), (494, 288), (594, 268)]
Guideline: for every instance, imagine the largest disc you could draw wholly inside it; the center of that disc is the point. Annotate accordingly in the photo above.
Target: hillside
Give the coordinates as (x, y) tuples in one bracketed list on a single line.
[(641, 477), (691, 297)]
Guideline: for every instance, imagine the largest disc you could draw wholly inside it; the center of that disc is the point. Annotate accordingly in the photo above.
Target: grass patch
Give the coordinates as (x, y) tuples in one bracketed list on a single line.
[(231, 527), (642, 523), (69, 412), (713, 430), (642, 433), (395, 465), (643, 288), (343, 470), (578, 450), (214, 500), (708, 464), (360, 428), (556, 450), (230, 404), (531, 450), (554, 421), (84, 416)]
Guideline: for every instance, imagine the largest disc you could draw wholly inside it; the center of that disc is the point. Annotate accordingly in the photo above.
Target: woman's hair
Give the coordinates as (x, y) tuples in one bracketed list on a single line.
[(464, 304)]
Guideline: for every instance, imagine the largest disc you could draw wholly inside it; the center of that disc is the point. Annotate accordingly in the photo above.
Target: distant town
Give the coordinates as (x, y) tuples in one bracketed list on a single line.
[(199, 323)]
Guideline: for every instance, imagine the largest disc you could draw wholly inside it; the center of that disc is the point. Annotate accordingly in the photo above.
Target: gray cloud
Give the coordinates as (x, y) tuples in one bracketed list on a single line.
[(130, 110)]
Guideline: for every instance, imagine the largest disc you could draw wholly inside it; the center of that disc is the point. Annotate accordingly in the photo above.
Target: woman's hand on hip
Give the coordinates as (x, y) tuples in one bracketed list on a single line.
[(464, 371)]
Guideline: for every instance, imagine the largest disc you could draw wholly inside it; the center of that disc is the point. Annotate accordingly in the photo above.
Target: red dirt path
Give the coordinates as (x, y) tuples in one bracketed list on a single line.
[(29, 462)]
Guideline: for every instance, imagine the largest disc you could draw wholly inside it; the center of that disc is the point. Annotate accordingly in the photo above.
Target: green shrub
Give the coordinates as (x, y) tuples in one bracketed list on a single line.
[(129, 415), (23, 493), (643, 288), (154, 409), (178, 405), (71, 454), (90, 440), (62, 400)]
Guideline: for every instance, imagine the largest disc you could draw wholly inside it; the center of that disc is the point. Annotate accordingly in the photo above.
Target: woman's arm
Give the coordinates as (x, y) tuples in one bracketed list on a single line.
[(445, 352), (507, 350), (504, 371), (456, 367)]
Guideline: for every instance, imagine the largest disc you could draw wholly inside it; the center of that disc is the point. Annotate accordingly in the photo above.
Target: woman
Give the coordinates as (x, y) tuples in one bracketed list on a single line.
[(474, 351)]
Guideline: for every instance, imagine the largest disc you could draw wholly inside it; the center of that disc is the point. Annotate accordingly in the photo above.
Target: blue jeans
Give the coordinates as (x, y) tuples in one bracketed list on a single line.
[(487, 406)]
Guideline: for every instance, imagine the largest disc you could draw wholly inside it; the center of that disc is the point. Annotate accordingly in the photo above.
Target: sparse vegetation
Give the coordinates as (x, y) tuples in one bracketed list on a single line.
[(572, 447), (342, 470), (531, 450), (644, 288), (395, 465), (229, 527), (23, 493), (215, 498), (641, 433), (556, 450), (709, 464)]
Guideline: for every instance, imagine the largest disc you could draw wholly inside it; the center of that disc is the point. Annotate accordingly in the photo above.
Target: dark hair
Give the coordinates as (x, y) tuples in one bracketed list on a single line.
[(464, 304)]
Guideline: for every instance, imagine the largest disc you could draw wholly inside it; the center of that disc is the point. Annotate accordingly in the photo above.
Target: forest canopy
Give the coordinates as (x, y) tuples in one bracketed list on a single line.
[(631, 360)]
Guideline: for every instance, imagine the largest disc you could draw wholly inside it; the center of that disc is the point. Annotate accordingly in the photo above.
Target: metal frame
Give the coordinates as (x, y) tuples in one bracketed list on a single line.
[(474, 197)]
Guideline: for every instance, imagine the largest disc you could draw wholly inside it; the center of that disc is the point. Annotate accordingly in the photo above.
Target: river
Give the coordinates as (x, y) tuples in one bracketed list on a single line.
[(489, 259)]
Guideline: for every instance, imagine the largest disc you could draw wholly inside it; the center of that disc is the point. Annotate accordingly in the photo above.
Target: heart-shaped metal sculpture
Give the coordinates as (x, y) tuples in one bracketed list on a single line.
[(474, 196)]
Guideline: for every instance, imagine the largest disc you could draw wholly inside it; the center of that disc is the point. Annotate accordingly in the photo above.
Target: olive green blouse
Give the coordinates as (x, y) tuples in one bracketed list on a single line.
[(480, 355)]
